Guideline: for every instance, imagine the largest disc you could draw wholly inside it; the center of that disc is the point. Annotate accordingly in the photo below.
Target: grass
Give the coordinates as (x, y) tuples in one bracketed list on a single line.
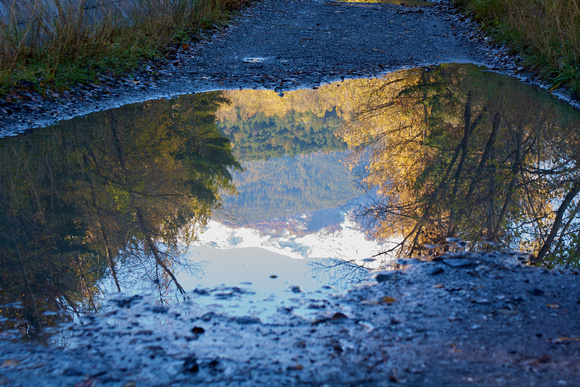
[(55, 44), (545, 32)]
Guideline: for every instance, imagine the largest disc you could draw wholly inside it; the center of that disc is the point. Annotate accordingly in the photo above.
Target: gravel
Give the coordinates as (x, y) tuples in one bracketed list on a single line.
[(493, 322), (275, 44)]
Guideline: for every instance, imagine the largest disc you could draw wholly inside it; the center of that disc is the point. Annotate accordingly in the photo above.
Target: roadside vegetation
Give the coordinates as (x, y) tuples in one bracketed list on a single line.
[(53, 44), (545, 32)]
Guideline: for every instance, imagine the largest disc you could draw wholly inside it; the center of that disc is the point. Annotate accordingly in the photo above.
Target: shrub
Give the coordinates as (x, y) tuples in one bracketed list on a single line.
[(546, 32), (63, 42)]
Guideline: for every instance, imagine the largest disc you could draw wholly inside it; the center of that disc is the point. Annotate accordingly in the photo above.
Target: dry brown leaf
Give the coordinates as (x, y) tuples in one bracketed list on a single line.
[(9, 364), (388, 300), (566, 339)]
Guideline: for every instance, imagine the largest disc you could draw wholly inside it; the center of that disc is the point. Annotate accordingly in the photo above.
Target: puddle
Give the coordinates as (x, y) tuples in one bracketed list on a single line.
[(407, 3), (246, 202)]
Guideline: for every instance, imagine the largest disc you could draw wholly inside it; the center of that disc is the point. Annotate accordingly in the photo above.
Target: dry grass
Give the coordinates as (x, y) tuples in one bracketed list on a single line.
[(57, 43), (546, 32)]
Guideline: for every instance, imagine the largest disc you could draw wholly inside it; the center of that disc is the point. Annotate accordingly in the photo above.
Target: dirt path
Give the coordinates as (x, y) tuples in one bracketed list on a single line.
[(275, 44)]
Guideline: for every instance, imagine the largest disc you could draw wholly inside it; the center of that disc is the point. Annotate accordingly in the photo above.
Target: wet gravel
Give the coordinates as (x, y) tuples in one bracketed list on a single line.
[(275, 44), (464, 319)]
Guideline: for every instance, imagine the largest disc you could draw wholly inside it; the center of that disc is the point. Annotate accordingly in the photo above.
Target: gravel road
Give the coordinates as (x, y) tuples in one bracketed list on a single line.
[(461, 320), (274, 44)]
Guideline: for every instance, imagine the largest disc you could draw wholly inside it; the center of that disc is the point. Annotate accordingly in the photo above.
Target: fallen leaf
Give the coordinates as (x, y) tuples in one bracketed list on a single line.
[(388, 300), (9, 364), (566, 339), (540, 360)]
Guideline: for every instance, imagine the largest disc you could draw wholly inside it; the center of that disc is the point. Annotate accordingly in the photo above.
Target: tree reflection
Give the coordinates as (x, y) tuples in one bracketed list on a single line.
[(121, 191), (339, 272), (462, 153)]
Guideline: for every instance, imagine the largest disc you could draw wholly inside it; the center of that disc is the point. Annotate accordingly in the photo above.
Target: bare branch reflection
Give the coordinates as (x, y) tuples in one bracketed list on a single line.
[(460, 153)]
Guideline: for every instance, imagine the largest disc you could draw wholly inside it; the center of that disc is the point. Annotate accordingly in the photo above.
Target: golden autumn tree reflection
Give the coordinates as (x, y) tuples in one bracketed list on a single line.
[(463, 153), (123, 190)]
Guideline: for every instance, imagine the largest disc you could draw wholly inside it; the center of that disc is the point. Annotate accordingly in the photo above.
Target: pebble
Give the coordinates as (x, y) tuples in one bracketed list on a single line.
[(459, 262)]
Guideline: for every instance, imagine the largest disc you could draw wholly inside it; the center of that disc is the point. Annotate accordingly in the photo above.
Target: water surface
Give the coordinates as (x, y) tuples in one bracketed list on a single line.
[(246, 199)]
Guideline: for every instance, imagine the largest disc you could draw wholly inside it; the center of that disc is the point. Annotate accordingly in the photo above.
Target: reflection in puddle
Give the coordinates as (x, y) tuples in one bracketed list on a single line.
[(101, 196), (464, 154), (254, 199)]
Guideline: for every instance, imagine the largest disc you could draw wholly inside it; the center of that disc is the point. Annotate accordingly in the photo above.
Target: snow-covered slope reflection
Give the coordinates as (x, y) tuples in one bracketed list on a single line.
[(287, 232)]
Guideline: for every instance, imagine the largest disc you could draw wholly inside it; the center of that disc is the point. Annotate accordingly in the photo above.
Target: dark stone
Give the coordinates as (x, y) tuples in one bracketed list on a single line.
[(537, 292), (436, 271), (213, 363), (190, 364), (160, 309), (127, 302), (247, 320), (338, 316), (73, 372), (384, 277), (201, 292), (458, 262)]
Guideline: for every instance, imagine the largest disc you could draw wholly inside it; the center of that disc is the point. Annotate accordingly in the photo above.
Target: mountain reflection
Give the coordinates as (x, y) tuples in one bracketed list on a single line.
[(463, 153), (115, 192)]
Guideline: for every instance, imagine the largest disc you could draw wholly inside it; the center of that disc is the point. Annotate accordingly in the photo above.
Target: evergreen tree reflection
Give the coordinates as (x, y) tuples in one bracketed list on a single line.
[(115, 192)]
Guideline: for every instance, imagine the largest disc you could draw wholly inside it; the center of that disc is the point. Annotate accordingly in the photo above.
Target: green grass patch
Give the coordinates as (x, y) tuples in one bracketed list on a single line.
[(60, 43), (545, 32)]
